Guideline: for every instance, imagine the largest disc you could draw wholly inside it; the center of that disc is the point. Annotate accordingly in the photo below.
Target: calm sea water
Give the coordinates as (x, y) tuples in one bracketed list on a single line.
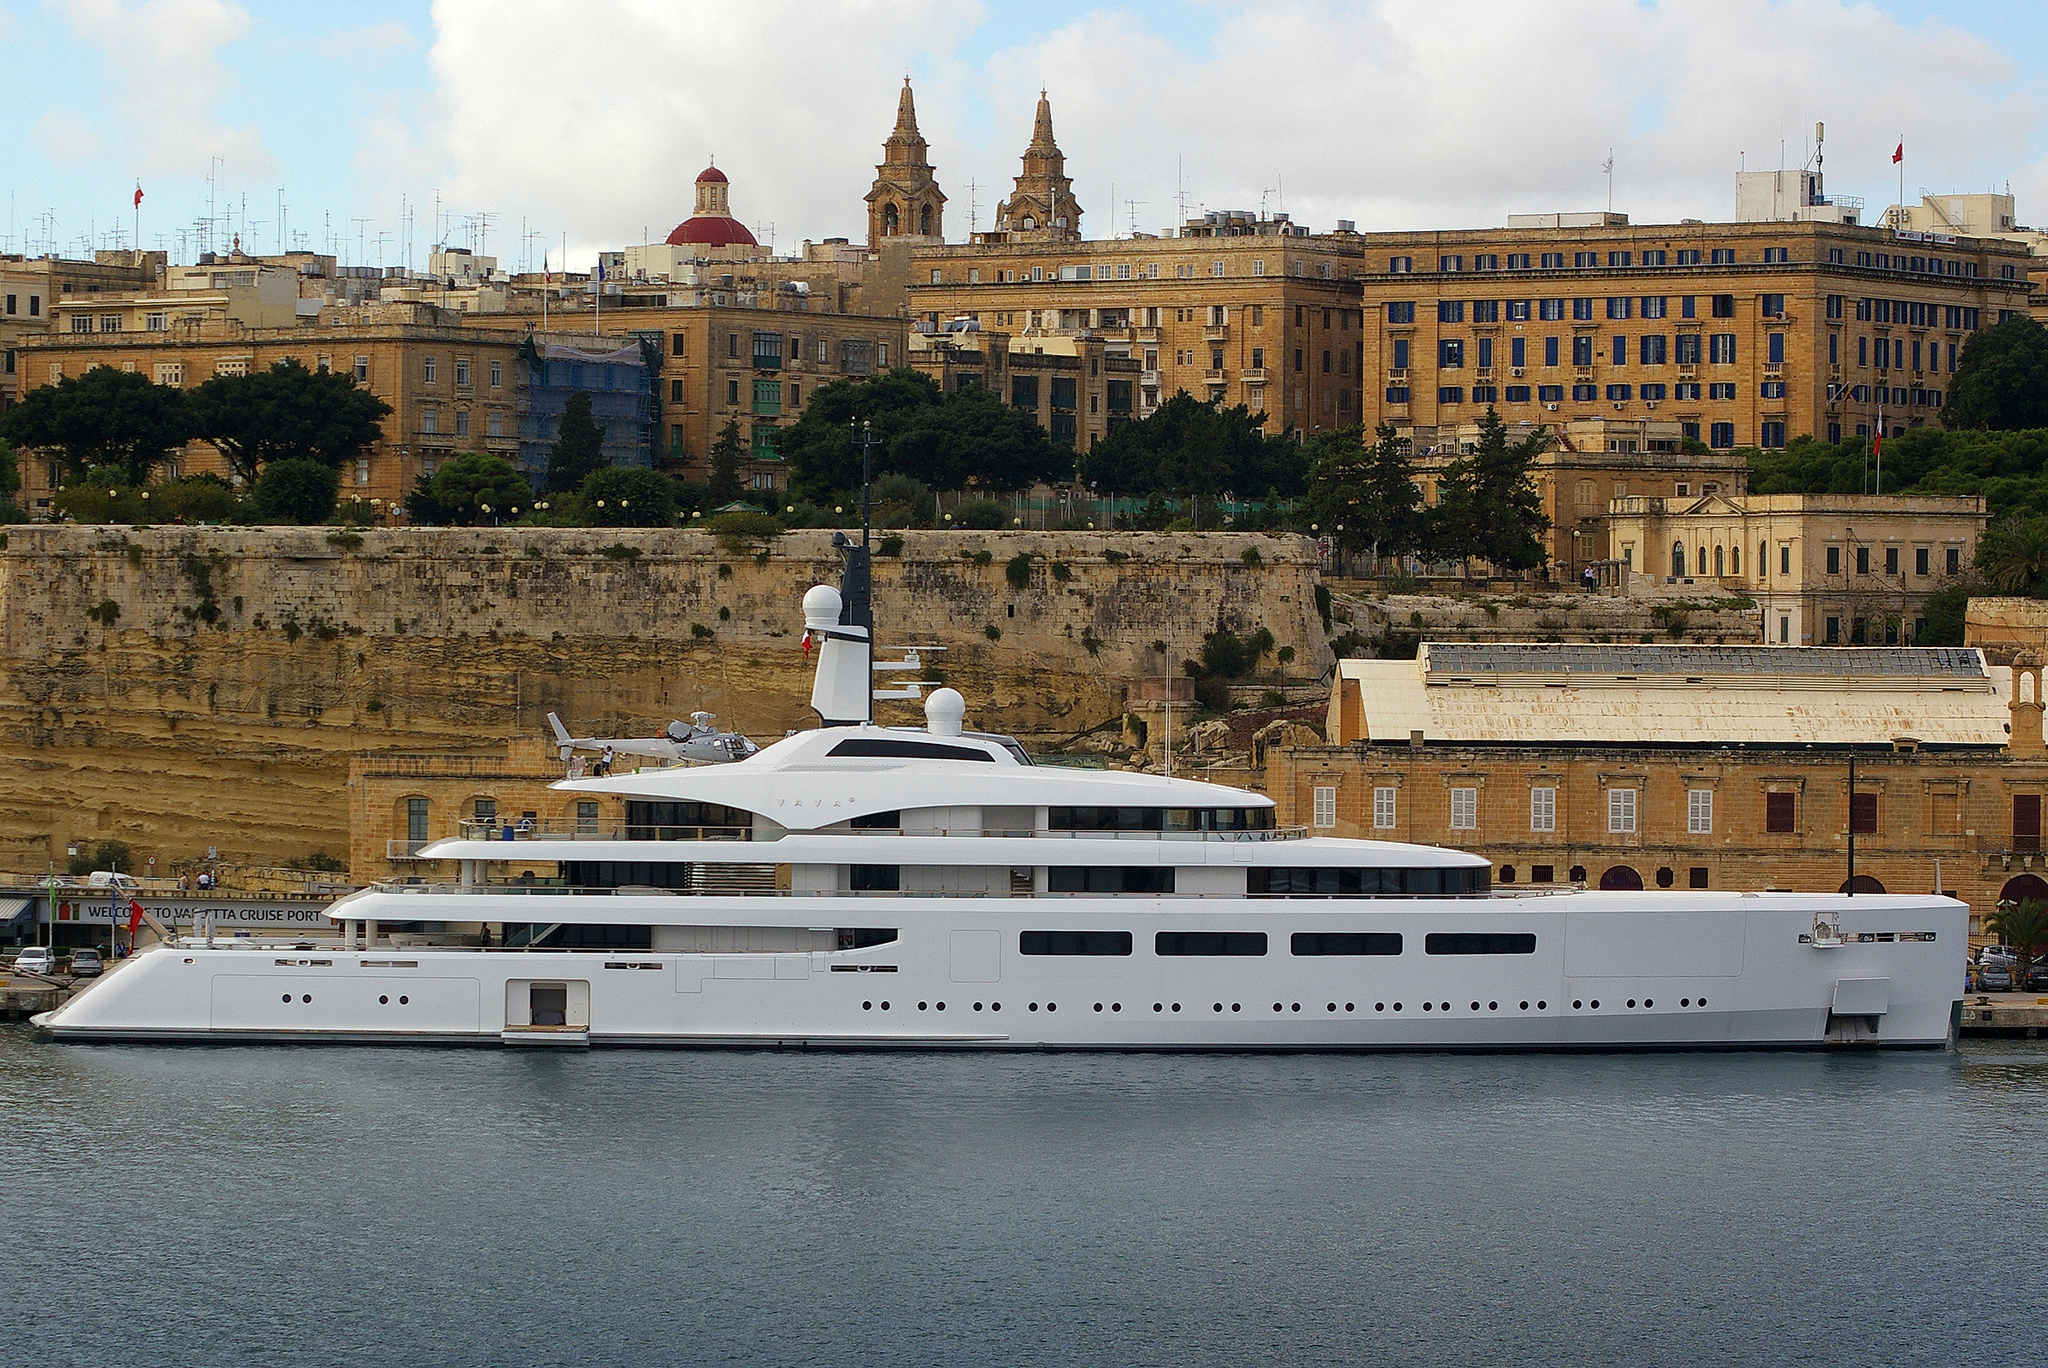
[(369, 1207)]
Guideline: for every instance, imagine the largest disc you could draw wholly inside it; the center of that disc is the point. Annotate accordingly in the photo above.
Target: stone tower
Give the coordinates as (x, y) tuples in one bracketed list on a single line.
[(1042, 207), (905, 201)]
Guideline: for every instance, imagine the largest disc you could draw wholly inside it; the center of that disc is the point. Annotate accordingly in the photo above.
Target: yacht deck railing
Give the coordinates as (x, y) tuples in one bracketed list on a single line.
[(470, 829)]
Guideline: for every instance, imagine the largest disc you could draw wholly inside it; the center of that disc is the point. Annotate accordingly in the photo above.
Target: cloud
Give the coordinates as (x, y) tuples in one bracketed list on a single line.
[(166, 64), (1409, 114), (63, 137)]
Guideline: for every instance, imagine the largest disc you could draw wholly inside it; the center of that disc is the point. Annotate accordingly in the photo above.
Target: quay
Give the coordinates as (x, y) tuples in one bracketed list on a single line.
[(22, 996), (2021, 1016)]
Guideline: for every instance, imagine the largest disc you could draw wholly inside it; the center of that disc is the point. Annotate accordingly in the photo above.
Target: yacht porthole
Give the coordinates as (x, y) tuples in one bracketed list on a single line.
[(1333, 1006), (1703, 1002), (287, 997), (1475, 1006), (1219, 1006), (402, 999), (1631, 1002), (307, 998), (1297, 1006), (1493, 1006), (1397, 1006), (1116, 1006), (942, 1006), (1428, 1006), (867, 1006), (995, 1006), (1350, 1006), (1541, 1006), (1176, 1006), (1447, 1006), (1379, 1006), (1277, 1007), (1158, 1006), (383, 999), (1098, 1006), (977, 1006), (1525, 1006), (921, 1007), (1648, 1003), (1034, 1006), (1576, 1004), (1685, 1002), (1237, 1006), (1596, 1004), (885, 1006), (1052, 1006)]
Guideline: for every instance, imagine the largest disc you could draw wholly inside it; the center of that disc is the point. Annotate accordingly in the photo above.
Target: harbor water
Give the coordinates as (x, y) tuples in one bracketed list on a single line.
[(369, 1206)]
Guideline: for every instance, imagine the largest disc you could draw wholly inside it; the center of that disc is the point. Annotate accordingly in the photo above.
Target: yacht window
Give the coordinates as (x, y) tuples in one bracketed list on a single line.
[(1158, 819), (1087, 879), (1479, 943), (1297, 882), (861, 937), (882, 747), (1346, 943), (878, 821), (1073, 942), (686, 822), (874, 878), (574, 936), (1210, 943), (628, 874)]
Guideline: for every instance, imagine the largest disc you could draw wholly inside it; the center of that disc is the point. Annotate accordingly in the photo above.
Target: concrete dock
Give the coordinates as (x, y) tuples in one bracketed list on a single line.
[(2022, 1016)]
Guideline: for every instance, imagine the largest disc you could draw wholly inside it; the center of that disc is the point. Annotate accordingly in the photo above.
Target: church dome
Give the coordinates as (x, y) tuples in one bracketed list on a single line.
[(711, 224), (710, 173)]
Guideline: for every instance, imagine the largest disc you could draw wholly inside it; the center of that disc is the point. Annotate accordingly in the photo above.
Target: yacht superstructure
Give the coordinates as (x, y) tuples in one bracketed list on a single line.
[(866, 886)]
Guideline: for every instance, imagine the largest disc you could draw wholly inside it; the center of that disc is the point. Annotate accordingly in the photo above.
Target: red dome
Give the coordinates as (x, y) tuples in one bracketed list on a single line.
[(710, 173), (707, 231)]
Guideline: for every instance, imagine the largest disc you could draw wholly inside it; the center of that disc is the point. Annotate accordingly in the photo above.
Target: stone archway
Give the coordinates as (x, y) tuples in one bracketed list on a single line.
[(1864, 884), (2023, 888), (1622, 878)]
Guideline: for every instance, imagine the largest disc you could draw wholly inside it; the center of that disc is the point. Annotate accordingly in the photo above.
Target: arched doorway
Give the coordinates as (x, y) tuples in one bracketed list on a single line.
[(2023, 888), (1678, 559), (1621, 877), (1864, 884)]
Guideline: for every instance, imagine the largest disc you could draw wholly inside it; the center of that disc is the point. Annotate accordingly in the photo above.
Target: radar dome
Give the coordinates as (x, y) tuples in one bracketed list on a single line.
[(943, 712), (821, 606)]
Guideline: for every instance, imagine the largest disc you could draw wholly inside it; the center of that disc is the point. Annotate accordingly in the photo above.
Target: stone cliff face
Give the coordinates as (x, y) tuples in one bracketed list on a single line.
[(184, 687)]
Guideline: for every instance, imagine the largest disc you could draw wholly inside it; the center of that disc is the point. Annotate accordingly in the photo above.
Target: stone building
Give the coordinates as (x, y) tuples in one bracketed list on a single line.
[(452, 388), (1689, 766), (32, 287), (1077, 389), (1746, 334), (754, 366), (1041, 206), (1825, 569), (906, 200), (1587, 463)]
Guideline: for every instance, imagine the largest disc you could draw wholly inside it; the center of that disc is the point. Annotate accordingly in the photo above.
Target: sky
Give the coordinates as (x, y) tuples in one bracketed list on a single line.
[(517, 127)]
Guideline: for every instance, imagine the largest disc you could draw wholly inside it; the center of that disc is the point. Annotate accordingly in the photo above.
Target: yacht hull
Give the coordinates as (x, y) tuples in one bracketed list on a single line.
[(1606, 972)]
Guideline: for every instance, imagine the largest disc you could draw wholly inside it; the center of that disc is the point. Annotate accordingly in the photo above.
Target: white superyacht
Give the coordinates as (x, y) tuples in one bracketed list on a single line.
[(858, 886)]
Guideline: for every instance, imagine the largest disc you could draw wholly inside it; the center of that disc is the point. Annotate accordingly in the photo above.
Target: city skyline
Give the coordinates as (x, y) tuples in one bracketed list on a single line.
[(1383, 113)]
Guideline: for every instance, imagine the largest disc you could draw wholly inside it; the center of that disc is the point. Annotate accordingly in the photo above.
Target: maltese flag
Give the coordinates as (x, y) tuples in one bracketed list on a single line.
[(1899, 154), (138, 194)]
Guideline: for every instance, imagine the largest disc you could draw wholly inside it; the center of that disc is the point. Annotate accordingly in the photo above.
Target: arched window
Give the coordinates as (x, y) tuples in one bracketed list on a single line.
[(1735, 560), (924, 220), (1699, 564), (1029, 223), (1678, 559), (1763, 558), (889, 220), (1720, 563)]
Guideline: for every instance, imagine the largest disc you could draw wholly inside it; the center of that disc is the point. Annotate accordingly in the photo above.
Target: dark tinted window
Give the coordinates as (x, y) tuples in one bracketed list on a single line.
[(861, 937), (1347, 943), (875, 878), (683, 821), (577, 937), (878, 821), (888, 748), (1073, 942), (628, 873), (1158, 819), (1210, 943), (1479, 943), (1142, 879), (1304, 882)]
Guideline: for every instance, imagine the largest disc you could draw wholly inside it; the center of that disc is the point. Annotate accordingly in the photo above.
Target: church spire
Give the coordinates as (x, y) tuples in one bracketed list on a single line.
[(906, 111), (1041, 208), (905, 200), (1041, 128)]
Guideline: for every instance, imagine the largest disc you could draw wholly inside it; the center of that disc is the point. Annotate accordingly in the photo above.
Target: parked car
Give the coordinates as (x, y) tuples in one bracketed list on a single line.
[(1994, 978), (35, 959), (86, 963)]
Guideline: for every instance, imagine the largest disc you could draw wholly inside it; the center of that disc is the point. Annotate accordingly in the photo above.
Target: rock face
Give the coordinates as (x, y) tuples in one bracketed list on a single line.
[(177, 688)]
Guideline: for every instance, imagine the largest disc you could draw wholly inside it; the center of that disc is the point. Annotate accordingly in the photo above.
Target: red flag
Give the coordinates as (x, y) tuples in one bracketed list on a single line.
[(138, 194), (807, 644), (1899, 155), (134, 919)]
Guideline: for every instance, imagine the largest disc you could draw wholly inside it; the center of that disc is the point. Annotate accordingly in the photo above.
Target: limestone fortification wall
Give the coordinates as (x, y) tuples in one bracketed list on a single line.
[(184, 687)]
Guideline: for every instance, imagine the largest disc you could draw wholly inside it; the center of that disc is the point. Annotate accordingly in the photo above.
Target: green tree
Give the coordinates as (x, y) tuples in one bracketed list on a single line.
[(578, 450), (2001, 379), (2022, 926), (1488, 507), (475, 487), (10, 484), (1366, 491), (947, 441), (728, 454), (105, 417), (1945, 610), (297, 489), (287, 413), (1189, 448), (2013, 556), (628, 496)]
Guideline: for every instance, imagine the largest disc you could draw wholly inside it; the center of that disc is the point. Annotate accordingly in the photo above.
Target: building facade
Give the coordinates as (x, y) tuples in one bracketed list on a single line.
[(1824, 569), (32, 287), (1077, 389), (1745, 334), (452, 389), (1689, 767)]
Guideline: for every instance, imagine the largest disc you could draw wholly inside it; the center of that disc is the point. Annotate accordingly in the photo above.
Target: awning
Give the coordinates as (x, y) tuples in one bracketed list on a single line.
[(15, 909)]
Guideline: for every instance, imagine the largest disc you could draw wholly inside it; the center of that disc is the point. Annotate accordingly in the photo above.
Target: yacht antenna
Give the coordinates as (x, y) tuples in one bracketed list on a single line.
[(857, 593), (1168, 755)]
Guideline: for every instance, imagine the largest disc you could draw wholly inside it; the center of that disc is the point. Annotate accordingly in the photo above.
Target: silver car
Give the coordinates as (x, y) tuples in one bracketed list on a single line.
[(1995, 977)]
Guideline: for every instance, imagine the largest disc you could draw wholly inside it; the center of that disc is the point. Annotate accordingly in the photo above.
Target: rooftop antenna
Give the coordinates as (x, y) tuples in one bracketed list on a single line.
[(362, 224), (1131, 212), (1180, 192), (973, 209)]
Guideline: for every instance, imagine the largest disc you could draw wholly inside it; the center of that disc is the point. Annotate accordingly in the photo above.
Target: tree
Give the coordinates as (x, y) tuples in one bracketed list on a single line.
[(2013, 556), (1488, 507), (579, 449), (10, 484), (2022, 926), (628, 496), (2001, 379), (297, 490), (287, 413), (475, 487), (1365, 496), (105, 417), (1189, 448), (728, 454), (947, 441)]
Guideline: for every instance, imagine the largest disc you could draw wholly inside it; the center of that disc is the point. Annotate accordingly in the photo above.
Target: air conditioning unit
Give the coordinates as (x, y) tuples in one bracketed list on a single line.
[(1551, 407), (1516, 371), (1649, 403)]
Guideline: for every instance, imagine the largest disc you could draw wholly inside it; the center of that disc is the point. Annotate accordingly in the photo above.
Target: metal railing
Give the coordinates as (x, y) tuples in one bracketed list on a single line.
[(473, 830), (998, 895)]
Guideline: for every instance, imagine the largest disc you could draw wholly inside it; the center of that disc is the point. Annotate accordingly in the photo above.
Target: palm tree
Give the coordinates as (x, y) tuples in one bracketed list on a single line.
[(2013, 554), (2020, 925)]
